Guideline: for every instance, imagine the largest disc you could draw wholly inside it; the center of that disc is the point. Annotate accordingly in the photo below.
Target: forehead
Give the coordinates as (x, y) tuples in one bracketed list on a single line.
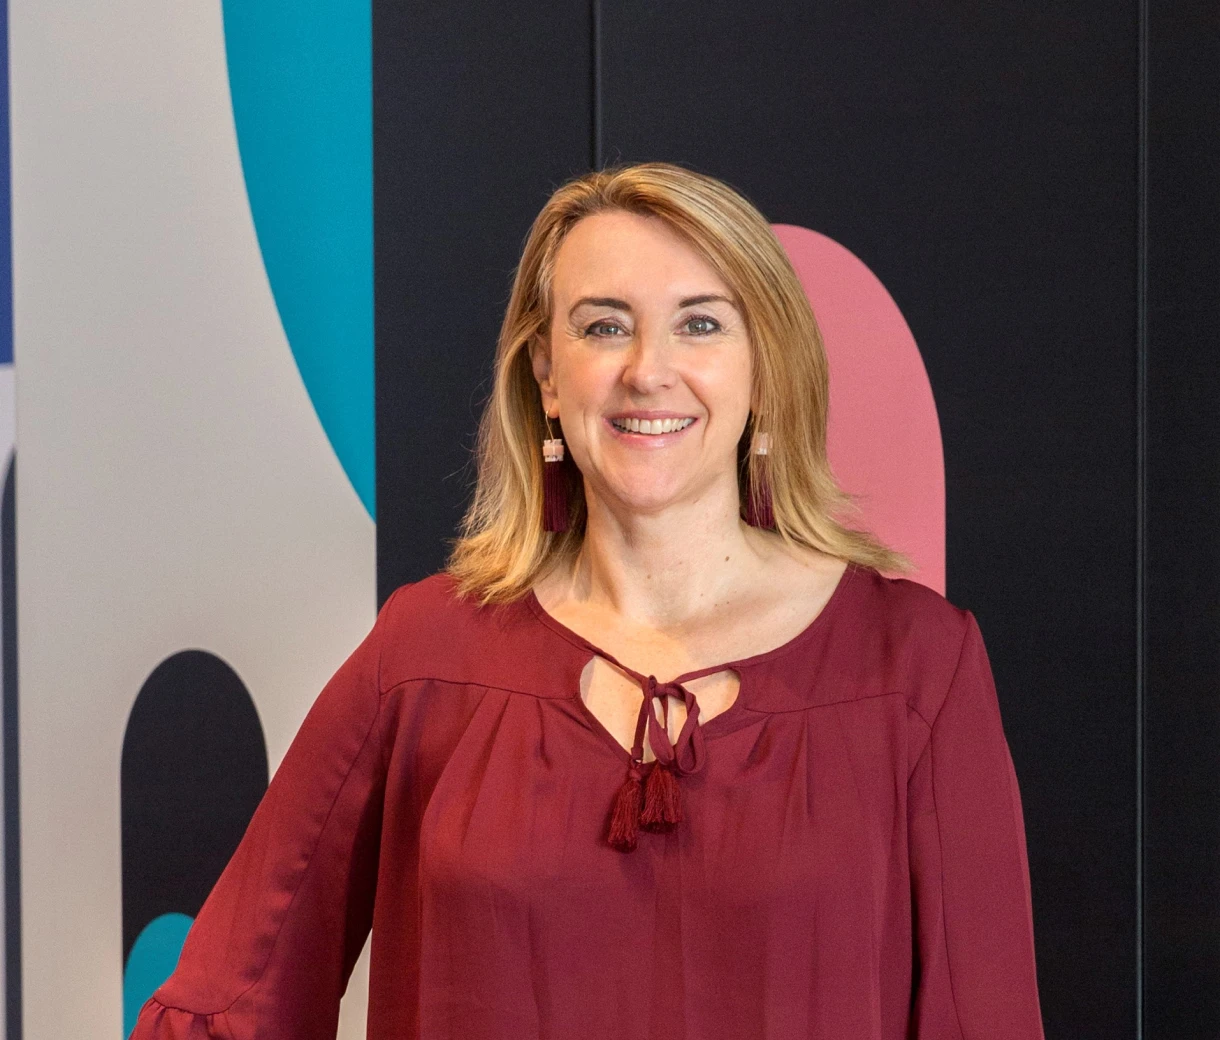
[(628, 254)]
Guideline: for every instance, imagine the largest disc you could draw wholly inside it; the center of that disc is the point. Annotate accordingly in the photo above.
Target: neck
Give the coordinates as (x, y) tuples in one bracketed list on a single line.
[(668, 567)]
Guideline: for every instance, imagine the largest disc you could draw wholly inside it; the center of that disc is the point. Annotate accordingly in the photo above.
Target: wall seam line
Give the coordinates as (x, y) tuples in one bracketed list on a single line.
[(1141, 495), (595, 74)]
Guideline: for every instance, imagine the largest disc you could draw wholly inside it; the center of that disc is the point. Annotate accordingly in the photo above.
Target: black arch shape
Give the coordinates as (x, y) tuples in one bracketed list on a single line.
[(194, 769)]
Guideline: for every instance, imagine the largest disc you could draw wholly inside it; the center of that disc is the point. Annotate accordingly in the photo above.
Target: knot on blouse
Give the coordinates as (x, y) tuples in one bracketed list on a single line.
[(687, 753), (654, 803)]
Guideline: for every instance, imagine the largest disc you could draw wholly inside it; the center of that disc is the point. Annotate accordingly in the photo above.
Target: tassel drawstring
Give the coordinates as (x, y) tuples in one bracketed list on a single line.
[(625, 818), (662, 801), (655, 804)]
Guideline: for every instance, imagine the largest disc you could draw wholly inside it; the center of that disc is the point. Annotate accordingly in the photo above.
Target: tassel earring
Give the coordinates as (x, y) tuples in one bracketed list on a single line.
[(759, 512), (554, 484)]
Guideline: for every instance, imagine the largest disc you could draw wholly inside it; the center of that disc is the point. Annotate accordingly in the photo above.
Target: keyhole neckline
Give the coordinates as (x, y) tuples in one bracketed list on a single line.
[(819, 619)]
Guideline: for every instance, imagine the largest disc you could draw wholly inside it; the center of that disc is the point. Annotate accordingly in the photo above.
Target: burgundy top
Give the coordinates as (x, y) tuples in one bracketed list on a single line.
[(849, 863)]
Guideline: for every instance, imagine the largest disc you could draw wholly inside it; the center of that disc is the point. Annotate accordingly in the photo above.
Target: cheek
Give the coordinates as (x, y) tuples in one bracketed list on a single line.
[(581, 383), (581, 389), (725, 391)]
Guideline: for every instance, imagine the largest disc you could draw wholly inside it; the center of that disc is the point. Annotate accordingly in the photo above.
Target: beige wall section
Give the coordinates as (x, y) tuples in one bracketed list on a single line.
[(7, 419), (176, 488)]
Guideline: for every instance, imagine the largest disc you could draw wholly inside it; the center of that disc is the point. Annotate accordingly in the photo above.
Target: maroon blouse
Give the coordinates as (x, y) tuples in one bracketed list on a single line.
[(849, 864)]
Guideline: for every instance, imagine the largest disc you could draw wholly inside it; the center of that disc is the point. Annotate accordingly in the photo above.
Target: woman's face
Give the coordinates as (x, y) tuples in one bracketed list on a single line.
[(648, 367)]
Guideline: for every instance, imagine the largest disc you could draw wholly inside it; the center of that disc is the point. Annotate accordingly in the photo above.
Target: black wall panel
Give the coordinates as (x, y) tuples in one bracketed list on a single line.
[(1182, 708), (1037, 188), (479, 111), (981, 161)]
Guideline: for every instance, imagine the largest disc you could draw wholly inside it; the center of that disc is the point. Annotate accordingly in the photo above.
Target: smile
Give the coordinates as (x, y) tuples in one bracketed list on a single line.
[(651, 426)]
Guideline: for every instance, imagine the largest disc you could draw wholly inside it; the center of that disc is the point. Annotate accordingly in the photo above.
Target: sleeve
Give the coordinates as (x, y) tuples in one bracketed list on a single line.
[(271, 950), (974, 975)]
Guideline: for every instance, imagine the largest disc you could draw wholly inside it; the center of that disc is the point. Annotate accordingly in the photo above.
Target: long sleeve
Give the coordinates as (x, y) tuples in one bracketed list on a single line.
[(974, 975), (271, 950)]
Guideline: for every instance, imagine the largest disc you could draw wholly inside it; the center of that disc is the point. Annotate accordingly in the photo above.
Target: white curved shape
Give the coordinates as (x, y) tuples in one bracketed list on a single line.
[(176, 488)]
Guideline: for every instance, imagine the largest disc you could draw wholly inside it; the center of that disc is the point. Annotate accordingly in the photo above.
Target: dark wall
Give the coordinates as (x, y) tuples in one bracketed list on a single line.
[(1016, 176), (980, 162), (480, 110), (1181, 853)]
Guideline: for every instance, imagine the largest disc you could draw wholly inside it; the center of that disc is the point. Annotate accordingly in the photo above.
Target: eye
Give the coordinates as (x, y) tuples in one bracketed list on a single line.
[(598, 327), (703, 325)]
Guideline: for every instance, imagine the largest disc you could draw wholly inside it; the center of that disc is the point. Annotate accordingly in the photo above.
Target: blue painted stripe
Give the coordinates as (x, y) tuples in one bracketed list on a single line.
[(301, 80), (152, 960)]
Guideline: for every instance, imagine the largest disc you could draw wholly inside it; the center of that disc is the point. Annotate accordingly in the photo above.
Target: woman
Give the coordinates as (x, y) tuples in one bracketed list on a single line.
[(636, 765)]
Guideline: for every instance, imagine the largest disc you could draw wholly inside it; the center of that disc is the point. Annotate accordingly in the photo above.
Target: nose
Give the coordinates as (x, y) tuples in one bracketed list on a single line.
[(648, 366)]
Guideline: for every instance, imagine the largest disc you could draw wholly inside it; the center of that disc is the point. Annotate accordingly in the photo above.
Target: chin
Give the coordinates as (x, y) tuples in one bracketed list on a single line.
[(645, 500), (644, 490)]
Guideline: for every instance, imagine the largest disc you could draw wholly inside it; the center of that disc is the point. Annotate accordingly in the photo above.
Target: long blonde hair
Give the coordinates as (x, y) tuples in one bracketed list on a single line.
[(503, 549)]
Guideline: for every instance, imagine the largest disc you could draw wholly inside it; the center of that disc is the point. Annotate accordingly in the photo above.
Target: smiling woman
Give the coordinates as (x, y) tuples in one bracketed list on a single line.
[(651, 386), (637, 275), (664, 752)]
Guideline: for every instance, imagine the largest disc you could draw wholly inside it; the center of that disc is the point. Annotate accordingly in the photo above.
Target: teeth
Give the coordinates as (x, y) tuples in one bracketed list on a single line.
[(652, 426)]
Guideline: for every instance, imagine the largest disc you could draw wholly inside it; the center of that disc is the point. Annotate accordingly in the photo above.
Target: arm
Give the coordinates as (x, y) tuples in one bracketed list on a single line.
[(271, 951), (974, 944)]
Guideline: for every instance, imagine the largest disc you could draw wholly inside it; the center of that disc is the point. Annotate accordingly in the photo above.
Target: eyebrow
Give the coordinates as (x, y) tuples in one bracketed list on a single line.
[(623, 305)]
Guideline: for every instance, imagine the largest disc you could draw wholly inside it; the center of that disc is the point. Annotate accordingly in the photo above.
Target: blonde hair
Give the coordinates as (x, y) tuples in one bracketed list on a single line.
[(503, 549)]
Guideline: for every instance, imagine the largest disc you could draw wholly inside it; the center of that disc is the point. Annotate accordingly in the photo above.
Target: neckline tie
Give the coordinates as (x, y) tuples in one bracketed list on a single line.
[(653, 802)]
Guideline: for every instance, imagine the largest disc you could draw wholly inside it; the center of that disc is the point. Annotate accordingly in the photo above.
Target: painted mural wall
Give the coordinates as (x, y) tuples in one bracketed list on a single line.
[(195, 551), (996, 214), (195, 555)]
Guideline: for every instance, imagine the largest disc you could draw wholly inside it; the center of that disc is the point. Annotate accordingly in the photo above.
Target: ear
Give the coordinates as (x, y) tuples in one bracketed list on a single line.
[(540, 362)]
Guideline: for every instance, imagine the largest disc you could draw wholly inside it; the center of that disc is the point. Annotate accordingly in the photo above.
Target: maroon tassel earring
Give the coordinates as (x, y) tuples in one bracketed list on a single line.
[(758, 495), (554, 484), (662, 801), (625, 818)]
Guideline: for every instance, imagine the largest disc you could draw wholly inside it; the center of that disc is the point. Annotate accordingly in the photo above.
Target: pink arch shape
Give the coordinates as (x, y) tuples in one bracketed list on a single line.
[(884, 437)]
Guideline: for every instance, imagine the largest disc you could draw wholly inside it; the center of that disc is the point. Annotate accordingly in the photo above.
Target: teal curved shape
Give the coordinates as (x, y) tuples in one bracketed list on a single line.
[(152, 960), (301, 80)]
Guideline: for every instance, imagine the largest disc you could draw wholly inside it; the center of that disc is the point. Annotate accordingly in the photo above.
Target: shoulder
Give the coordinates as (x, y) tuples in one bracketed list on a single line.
[(877, 636), (891, 607), (911, 614), (918, 637), (434, 596), (430, 632)]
